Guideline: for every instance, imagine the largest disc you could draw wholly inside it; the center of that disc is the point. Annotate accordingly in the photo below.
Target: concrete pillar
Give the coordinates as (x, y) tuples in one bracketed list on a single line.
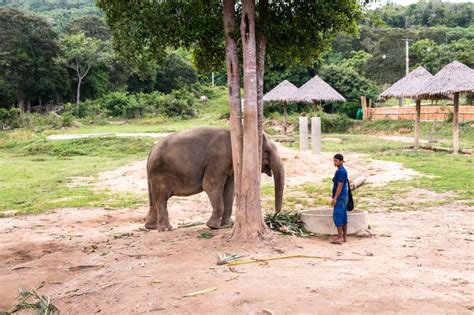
[(316, 135), (303, 133)]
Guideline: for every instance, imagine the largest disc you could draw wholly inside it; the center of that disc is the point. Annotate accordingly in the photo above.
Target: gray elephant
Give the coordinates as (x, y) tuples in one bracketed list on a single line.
[(189, 162)]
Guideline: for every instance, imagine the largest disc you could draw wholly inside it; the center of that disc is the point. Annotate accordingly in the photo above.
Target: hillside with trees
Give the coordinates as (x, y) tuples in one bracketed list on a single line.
[(59, 53)]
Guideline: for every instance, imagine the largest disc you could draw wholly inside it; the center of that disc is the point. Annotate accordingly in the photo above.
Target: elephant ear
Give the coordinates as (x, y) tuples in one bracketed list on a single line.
[(266, 163), (267, 170)]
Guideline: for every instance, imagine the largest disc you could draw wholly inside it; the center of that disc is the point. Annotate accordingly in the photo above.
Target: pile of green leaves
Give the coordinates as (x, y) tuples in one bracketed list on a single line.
[(285, 222)]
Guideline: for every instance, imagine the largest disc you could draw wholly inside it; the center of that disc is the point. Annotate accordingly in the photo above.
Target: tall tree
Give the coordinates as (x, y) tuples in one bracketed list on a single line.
[(80, 54), (283, 31), (27, 49)]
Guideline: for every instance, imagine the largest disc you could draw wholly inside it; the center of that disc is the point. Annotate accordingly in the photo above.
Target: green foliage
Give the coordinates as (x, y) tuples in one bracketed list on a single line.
[(175, 73), (335, 122), (91, 26), (350, 84), (285, 222), (121, 104), (429, 13), (59, 13), (433, 56), (146, 29), (9, 118), (27, 50), (81, 53)]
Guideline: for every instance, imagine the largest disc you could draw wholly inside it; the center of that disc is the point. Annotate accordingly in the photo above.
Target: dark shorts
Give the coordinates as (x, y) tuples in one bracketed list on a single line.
[(339, 214)]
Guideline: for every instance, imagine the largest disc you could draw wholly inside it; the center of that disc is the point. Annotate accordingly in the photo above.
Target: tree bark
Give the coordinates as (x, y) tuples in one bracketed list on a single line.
[(233, 82), (261, 51), (248, 218), (21, 101), (78, 91), (261, 48)]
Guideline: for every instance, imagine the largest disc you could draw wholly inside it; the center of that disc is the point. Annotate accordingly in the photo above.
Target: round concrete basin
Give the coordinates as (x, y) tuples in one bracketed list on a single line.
[(320, 221)]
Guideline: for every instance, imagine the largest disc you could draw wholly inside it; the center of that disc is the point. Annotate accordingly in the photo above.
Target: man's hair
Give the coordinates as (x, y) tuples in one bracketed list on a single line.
[(339, 157)]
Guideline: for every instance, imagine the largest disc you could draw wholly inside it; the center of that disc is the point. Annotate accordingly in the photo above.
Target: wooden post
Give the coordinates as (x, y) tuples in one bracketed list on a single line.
[(316, 135), (303, 133), (456, 124), (285, 110), (364, 107), (369, 110), (417, 122)]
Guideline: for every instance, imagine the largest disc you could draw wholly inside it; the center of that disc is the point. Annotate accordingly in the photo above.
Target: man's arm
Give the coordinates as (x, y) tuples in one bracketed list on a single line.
[(338, 192)]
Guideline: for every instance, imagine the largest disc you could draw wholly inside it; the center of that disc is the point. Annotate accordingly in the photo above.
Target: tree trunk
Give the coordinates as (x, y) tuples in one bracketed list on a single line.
[(78, 91), (21, 101), (248, 219), (456, 124), (233, 82), (261, 47), (417, 123), (261, 43)]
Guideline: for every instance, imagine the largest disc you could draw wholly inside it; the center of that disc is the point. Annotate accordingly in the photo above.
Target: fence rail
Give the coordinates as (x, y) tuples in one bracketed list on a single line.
[(428, 113)]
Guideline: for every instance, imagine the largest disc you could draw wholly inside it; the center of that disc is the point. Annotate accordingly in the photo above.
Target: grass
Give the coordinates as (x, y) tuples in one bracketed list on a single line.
[(446, 172), (38, 175)]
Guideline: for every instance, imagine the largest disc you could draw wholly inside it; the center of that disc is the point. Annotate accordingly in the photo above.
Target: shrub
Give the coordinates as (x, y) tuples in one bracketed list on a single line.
[(335, 122), (9, 118), (122, 104)]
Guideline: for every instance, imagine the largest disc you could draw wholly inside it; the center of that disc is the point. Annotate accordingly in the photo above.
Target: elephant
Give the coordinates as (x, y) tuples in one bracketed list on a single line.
[(189, 162)]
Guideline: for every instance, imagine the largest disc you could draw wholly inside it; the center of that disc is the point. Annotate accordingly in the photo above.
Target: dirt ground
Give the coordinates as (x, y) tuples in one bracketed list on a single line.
[(100, 261)]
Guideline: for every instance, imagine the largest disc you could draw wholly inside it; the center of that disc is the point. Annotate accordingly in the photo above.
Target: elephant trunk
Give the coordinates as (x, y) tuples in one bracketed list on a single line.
[(279, 179)]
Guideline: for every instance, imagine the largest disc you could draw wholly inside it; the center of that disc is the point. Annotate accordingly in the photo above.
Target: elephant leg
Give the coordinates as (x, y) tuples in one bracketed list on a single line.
[(228, 202), (151, 220), (217, 203), (163, 220), (157, 217)]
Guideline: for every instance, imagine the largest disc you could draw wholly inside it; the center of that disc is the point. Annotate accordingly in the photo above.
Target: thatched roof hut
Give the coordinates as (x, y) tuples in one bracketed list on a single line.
[(317, 90), (408, 86), (281, 92), (453, 78)]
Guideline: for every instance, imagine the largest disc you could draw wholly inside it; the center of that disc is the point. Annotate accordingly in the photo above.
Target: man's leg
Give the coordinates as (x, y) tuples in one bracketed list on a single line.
[(344, 232)]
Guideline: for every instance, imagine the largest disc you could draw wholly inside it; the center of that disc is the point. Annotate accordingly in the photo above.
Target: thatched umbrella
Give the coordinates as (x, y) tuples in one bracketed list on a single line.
[(281, 94), (315, 91), (453, 79), (409, 87)]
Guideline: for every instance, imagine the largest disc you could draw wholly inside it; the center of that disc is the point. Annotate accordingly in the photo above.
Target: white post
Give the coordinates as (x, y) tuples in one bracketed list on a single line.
[(316, 135), (212, 78), (303, 133)]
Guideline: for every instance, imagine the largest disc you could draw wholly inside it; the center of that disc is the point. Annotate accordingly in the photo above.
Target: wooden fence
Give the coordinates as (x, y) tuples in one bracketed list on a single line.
[(428, 113)]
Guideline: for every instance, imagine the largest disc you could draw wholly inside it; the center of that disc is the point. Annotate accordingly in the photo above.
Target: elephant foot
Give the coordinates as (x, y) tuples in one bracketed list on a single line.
[(227, 223), (214, 223), (151, 225), (165, 227)]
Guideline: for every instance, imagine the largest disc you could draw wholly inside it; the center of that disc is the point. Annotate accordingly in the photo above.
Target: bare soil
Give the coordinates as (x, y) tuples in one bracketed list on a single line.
[(100, 261)]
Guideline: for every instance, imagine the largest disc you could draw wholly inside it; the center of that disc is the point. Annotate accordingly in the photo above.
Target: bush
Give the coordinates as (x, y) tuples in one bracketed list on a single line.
[(335, 122), (122, 104), (9, 118)]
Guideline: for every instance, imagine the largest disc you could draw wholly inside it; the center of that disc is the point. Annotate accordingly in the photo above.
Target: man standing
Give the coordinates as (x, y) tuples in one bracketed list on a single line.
[(339, 199)]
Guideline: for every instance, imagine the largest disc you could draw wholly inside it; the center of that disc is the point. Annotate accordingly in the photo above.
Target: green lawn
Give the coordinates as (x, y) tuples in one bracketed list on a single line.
[(38, 175)]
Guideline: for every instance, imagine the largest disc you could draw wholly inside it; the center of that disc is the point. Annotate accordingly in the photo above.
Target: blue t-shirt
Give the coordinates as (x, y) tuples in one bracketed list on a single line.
[(340, 176)]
